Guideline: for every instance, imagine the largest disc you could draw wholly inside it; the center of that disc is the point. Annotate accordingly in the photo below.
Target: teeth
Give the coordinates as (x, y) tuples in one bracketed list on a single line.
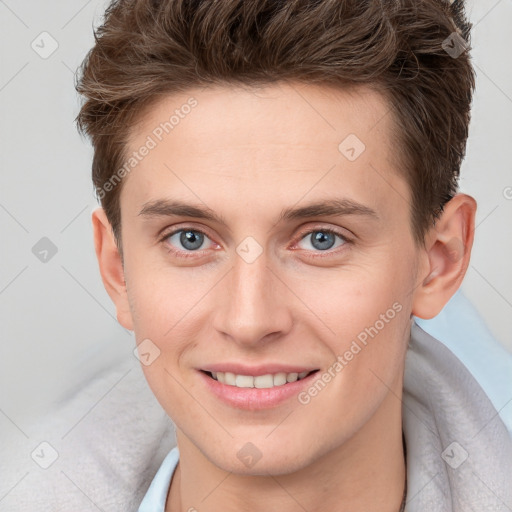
[(260, 382), (244, 381), (279, 379)]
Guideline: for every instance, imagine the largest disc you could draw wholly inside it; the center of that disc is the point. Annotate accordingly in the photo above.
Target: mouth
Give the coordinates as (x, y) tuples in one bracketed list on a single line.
[(266, 381), (256, 387)]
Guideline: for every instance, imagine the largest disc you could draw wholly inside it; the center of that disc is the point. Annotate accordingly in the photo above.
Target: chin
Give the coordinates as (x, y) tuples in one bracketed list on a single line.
[(261, 457)]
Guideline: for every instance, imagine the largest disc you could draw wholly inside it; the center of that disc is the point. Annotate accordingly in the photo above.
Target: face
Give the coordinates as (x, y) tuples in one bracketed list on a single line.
[(233, 272)]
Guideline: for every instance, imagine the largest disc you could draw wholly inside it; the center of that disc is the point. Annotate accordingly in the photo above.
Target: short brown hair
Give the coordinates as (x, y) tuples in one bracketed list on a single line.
[(401, 48)]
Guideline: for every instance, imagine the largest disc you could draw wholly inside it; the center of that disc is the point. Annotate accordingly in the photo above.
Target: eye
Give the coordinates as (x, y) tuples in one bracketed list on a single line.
[(186, 240), (321, 240)]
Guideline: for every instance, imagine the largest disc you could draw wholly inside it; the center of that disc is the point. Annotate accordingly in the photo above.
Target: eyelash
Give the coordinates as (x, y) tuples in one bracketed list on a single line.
[(301, 236)]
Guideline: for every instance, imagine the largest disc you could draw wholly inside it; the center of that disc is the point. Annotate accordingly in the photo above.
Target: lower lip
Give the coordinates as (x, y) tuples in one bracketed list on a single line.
[(255, 398)]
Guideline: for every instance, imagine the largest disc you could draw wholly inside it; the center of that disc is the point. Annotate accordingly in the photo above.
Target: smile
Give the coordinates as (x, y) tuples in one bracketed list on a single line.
[(261, 381), (256, 388)]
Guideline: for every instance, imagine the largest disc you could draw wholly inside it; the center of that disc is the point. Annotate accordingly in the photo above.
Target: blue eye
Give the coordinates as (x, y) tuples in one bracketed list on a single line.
[(323, 239), (189, 239)]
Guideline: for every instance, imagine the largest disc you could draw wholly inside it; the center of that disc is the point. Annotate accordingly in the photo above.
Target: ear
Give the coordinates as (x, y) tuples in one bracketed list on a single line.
[(111, 267), (448, 246)]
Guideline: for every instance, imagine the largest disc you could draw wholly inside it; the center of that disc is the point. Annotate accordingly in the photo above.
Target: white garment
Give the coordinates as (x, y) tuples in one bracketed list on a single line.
[(111, 434), (463, 331), (155, 498), (459, 453)]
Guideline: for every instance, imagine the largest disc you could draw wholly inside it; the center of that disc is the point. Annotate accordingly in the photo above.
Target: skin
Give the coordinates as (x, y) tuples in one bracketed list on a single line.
[(247, 155)]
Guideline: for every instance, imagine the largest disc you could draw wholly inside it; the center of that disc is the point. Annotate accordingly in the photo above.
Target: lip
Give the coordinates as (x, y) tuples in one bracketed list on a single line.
[(254, 398)]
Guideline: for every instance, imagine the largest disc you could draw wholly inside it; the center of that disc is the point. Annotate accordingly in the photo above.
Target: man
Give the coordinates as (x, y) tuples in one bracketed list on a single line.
[(278, 184)]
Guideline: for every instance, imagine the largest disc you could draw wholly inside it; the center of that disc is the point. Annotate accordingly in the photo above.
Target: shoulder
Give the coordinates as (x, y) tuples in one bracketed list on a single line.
[(108, 437), (458, 447)]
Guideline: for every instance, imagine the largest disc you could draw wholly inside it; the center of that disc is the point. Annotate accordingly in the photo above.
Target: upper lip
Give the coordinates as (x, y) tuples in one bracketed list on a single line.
[(262, 369)]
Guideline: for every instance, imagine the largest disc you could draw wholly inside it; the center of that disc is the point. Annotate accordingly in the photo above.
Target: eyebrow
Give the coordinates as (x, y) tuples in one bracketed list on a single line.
[(328, 207)]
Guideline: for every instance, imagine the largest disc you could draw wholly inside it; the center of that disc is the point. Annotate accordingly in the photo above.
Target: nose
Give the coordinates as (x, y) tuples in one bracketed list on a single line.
[(253, 305)]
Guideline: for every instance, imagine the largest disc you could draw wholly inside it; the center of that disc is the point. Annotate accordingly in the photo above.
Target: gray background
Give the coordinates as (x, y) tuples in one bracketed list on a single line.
[(58, 324)]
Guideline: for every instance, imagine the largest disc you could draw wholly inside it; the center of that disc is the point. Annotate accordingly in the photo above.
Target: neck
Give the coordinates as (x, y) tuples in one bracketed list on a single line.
[(365, 473)]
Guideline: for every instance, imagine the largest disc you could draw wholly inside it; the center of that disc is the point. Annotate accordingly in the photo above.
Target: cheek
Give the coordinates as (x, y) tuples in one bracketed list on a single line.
[(164, 317), (370, 319), (160, 297), (174, 396), (364, 317), (350, 300), (165, 310)]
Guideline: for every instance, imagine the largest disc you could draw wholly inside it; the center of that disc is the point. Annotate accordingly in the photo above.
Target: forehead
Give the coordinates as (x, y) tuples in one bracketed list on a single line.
[(280, 139), (281, 113)]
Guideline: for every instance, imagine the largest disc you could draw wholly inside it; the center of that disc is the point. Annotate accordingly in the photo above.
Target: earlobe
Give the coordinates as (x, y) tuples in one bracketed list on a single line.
[(111, 267), (449, 245)]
